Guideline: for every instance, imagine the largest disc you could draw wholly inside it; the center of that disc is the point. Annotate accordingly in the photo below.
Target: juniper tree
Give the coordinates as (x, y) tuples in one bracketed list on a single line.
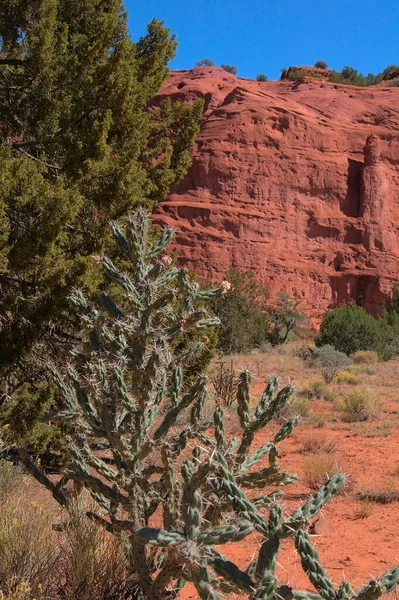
[(78, 147), (169, 484)]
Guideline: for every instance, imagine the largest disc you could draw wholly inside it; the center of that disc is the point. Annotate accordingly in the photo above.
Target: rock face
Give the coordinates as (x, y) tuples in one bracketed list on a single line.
[(296, 181)]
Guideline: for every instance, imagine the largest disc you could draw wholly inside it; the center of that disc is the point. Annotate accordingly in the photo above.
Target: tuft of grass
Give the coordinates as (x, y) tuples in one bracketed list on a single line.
[(318, 468), (316, 443), (345, 377), (365, 509), (384, 496), (359, 405), (365, 357)]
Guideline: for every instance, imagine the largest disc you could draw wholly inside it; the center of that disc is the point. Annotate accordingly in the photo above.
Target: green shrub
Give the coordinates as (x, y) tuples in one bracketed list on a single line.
[(359, 405), (261, 77), (365, 357), (242, 312), (321, 64), (329, 361), (349, 328)]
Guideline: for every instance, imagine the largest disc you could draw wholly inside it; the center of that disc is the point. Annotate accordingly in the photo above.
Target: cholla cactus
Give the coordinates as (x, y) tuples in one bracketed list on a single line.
[(168, 484)]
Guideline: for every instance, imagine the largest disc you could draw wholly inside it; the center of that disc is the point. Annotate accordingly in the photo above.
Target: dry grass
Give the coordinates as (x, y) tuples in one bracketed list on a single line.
[(317, 443), (347, 378), (82, 562), (318, 468)]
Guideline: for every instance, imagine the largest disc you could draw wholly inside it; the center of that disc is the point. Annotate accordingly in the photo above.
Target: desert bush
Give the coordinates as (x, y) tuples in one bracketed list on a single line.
[(329, 361), (172, 509), (359, 405), (229, 69), (27, 553), (316, 388), (225, 383), (92, 564), (261, 77), (242, 312), (205, 62), (365, 357), (321, 64), (345, 377), (349, 328), (318, 469)]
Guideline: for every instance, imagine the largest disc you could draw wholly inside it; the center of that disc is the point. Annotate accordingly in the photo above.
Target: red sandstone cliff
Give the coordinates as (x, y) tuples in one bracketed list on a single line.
[(297, 181)]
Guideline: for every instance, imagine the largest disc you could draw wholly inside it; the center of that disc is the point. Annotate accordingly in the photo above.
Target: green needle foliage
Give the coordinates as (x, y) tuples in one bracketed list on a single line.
[(168, 484), (78, 147)]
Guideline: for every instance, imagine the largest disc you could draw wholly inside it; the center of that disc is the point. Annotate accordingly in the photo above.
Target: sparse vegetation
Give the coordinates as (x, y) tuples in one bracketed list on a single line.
[(321, 64), (261, 77)]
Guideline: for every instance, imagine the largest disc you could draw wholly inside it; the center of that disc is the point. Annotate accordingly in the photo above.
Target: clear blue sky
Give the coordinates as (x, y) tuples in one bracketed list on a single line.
[(262, 36)]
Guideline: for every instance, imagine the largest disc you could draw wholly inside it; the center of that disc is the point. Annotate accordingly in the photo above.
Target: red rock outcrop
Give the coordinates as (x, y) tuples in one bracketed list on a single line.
[(296, 181)]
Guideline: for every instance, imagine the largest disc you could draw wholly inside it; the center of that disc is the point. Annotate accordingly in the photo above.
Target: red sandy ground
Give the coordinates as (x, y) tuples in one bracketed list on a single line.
[(350, 546)]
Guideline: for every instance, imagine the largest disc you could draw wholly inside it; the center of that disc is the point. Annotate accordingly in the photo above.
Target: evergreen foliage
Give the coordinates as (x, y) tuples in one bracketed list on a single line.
[(242, 312), (349, 328), (261, 77), (321, 64), (78, 147), (135, 417)]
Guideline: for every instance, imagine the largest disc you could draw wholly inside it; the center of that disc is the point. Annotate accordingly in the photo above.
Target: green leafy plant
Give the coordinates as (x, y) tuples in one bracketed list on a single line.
[(261, 77), (124, 392)]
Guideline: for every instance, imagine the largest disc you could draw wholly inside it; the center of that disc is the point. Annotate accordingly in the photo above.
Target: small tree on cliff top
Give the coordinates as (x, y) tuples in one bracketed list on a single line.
[(137, 422)]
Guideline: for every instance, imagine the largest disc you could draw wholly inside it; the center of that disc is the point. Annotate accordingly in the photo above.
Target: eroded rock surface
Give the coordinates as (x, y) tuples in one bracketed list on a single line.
[(297, 181)]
